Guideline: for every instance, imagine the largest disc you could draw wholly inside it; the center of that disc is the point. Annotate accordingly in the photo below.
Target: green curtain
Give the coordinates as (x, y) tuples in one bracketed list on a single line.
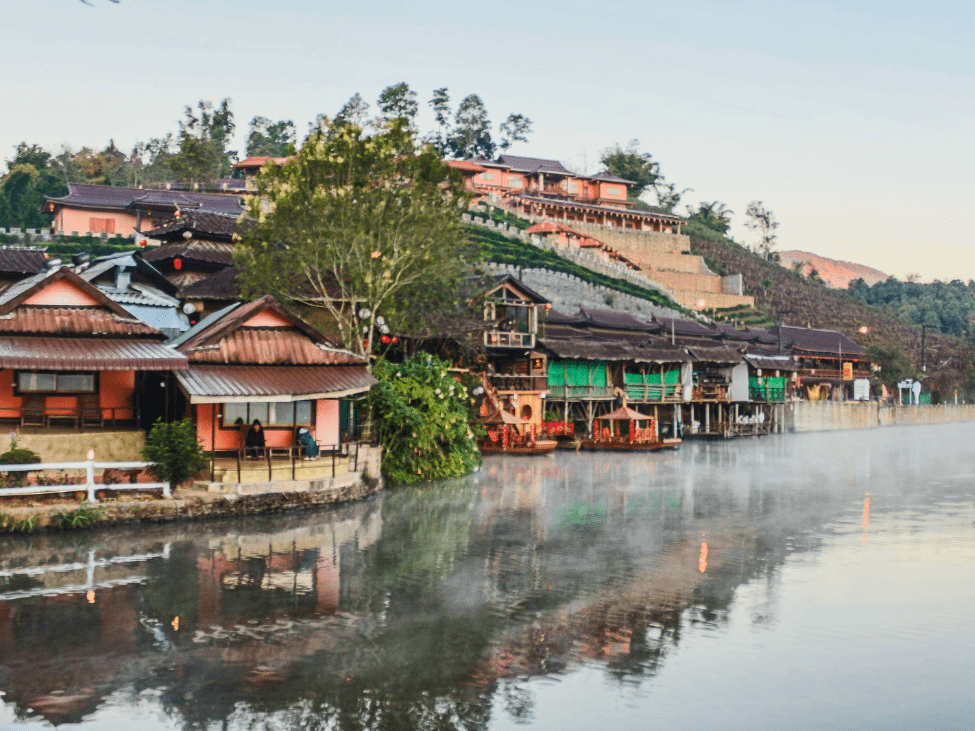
[(556, 373)]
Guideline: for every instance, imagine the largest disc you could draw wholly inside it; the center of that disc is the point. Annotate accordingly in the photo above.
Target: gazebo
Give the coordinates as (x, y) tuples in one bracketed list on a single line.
[(608, 432)]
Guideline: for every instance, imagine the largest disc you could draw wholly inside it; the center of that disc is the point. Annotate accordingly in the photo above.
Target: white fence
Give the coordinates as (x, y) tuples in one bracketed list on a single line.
[(89, 466)]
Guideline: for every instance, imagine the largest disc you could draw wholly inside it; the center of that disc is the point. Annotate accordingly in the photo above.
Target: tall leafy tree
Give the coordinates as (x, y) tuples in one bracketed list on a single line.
[(355, 111), (760, 219), (515, 128), (398, 102), (30, 178), (440, 103), (202, 145), (631, 164), (273, 139), (472, 131), (362, 226)]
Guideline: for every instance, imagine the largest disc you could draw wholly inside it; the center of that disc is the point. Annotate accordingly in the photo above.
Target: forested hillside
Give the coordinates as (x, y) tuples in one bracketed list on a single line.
[(792, 299)]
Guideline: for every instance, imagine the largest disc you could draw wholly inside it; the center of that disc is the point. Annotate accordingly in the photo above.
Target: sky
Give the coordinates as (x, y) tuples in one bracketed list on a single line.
[(851, 121)]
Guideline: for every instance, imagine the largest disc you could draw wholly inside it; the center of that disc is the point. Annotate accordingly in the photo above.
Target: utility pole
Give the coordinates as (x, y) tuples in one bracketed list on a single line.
[(923, 332)]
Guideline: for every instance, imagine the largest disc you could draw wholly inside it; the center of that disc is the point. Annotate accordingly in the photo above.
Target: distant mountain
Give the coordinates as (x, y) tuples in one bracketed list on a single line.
[(834, 273)]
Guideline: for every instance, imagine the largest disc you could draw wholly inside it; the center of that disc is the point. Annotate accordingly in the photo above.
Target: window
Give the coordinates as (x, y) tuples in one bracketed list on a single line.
[(101, 225), (275, 413), (573, 187), (514, 182), (36, 382), (487, 176), (611, 190)]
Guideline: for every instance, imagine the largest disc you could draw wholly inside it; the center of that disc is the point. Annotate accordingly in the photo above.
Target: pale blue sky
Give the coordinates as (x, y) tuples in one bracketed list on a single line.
[(851, 121)]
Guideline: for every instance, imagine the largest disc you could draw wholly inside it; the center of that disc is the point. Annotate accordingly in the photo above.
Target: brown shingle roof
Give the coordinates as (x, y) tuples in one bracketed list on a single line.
[(811, 340), (39, 320), (204, 224), (219, 286), (533, 165), (207, 252), (88, 354), (22, 261)]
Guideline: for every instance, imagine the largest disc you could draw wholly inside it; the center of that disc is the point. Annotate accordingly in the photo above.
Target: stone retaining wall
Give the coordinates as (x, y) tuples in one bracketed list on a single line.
[(812, 416)]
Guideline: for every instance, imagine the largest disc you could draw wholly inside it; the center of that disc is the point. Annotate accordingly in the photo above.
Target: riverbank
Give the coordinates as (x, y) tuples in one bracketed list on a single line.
[(816, 416), (193, 504)]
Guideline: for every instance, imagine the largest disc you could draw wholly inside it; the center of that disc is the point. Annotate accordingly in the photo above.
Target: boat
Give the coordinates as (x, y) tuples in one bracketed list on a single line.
[(510, 434), (609, 435)]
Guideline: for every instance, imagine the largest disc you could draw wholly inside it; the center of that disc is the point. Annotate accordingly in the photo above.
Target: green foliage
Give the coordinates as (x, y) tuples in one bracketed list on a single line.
[(273, 139), (174, 451), (503, 250), (948, 307), (422, 417), (894, 365), (372, 219), (20, 455), (398, 102), (761, 220), (515, 128), (202, 144), (84, 516), (713, 216), (471, 135), (30, 177), (9, 524)]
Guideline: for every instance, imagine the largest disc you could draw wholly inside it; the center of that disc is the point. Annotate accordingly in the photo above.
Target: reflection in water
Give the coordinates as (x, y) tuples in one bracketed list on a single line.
[(432, 607)]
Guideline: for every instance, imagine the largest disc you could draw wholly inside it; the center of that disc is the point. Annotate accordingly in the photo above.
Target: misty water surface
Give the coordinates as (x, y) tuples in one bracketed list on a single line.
[(815, 581)]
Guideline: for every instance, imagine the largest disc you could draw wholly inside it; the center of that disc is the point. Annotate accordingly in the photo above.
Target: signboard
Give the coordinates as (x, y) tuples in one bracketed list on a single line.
[(861, 389), (847, 371)]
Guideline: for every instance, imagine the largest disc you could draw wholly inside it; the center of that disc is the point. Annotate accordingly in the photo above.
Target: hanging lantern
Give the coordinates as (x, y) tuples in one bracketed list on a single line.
[(50, 207), (177, 263), (385, 339), (395, 339), (178, 213), (142, 243)]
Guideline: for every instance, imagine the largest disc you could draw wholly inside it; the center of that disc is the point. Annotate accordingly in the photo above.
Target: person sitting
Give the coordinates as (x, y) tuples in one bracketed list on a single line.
[(254, 441), (306, 440)]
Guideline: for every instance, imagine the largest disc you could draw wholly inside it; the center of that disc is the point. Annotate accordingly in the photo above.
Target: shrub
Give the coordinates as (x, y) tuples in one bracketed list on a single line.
[(422, 415), (17, 455), (84, 516), (174, 451)]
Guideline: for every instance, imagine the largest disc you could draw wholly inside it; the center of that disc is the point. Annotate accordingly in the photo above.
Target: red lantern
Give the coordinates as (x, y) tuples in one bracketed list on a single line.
[(385, 339), (178, 213), (177, 263), (50, 207), (142, 243), (395, 339)]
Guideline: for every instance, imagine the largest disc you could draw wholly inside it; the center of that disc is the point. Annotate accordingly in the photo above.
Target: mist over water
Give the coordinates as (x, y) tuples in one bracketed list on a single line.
[(820, 581)]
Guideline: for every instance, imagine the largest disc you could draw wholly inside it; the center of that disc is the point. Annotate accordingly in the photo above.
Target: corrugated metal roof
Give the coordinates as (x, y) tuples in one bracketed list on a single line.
[(766, 363), (22, 261), (88, 354), (222, 383), (164, 319), (268, 347), (42, 319)]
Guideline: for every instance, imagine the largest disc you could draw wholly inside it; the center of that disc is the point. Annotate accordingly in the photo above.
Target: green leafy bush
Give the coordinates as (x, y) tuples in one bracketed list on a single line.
[(84, 516), (174, 451), (422, 417), (17, 455)]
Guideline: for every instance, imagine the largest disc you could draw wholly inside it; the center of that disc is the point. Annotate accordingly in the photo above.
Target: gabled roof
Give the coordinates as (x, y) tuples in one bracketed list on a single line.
[(22, 261), (219, 286), (205, 252), (686, 328), (127, 260), (818, 341), (624, 413), (468, 165), (228, 338), (607, 177), (107, 197), (106, 317), (204, 224), (533, 165), (258, 161), (615, 320), (530, 293)]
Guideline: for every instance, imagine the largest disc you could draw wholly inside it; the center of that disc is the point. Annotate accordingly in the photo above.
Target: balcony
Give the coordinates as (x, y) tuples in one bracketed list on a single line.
[(711, 392), (655, 393), (510, 383), (766, 394), (507, 339), (581, 393)]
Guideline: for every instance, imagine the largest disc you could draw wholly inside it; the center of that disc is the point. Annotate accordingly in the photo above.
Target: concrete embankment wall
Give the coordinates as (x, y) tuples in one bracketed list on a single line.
[(811, 416)]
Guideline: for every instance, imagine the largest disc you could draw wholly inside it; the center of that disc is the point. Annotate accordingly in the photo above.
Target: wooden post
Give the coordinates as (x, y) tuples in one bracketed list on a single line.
[(90, 476), (707, 418), (213, 443)]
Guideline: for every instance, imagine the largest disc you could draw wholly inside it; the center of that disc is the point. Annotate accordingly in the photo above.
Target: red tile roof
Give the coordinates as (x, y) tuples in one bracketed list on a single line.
[(468, 165), (258, 161)]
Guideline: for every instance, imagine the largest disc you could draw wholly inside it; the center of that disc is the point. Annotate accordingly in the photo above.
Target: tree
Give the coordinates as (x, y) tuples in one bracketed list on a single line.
[(668, 197), (202, 143), (398, 102), (515, 128), (29, 179), (362, 227), (273, 139), (355, 111), (631, 164), (421, 415), (894, 365), (714, 216), (440, 103), (472, 134), (760, 219), (174, 450)]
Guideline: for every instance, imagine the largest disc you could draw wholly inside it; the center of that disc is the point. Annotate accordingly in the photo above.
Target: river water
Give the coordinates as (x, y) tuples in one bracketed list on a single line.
[(820, 581)]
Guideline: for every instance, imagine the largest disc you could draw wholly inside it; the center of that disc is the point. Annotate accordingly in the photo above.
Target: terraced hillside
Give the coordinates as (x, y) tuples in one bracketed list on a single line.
[(787, 297)]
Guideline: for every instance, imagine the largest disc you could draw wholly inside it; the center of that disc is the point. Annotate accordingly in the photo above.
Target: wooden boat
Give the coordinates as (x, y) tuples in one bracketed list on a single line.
[(510, 434), (610, 436)]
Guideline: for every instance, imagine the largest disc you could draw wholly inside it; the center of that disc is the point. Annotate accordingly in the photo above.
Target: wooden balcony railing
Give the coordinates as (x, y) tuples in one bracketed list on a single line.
[(510, 383), (711, 392), (660, 393), (502, 339), (582, 393), (766, 394)]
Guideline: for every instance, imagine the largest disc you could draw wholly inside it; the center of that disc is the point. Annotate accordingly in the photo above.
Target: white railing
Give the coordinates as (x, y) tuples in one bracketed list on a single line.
[(89, 486)]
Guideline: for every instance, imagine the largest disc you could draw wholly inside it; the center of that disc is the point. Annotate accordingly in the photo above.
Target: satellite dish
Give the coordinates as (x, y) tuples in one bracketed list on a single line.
[(189, 308)]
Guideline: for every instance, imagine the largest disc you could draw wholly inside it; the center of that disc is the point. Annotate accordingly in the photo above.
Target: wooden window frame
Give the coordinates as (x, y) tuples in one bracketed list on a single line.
[(264, 425), (18, 391)]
